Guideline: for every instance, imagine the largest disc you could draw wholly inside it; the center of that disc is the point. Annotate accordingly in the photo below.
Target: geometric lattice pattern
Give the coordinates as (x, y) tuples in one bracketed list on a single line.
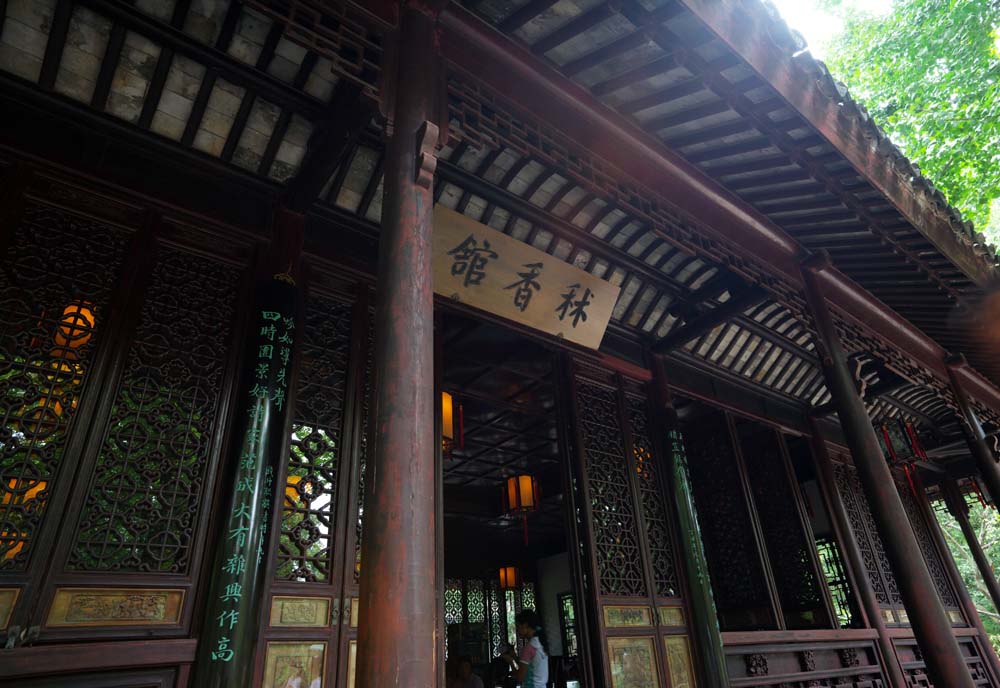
[(54, 292), (651, 498), (616, 541), (142, 507), (931, 554), (793, 568), (305, 551), (730, 546), (880, 574)]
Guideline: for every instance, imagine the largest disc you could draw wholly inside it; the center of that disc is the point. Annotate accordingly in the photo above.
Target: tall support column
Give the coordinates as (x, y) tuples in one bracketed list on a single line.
[(965, 600), (704, 625), (397, 634), (960, 512), (986, 462), (237, 578), (931, 626), (852, 552)]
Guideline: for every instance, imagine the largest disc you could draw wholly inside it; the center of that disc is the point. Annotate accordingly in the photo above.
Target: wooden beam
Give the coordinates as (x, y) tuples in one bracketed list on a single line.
[(168, 36), (57, 41), (710, 319)]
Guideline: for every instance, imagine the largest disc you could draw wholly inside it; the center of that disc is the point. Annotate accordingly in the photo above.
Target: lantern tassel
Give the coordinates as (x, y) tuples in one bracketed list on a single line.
[(909, 479), (524, 522), (461, 427)]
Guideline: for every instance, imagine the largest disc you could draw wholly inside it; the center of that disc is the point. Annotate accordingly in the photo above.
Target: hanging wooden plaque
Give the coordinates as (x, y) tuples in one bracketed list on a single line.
[(487, 269)]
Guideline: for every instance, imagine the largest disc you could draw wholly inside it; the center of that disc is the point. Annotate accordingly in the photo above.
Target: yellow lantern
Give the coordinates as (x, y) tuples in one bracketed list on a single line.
[(19, 492), (520, 494), (510, 578), (293, 494), (76, 326), (447, 423)]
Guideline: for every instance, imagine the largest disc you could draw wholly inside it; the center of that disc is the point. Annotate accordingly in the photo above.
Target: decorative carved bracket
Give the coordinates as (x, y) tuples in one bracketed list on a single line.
[(427, 138)]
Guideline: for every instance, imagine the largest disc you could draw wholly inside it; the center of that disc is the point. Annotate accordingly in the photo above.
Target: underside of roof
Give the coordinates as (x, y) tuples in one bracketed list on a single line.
[(237, 83)]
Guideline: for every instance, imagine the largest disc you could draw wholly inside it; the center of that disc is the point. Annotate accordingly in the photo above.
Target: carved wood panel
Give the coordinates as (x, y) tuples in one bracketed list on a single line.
[(738, 581), (55, 288), (143, 502), (613, 513), (647, 469), (305, 550), (837, 664), (935, 565), (879, 572), (789, 549)]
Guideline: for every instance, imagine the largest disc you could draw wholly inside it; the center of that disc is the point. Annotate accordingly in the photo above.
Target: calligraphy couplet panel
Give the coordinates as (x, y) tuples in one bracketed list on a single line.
[(487, 269)]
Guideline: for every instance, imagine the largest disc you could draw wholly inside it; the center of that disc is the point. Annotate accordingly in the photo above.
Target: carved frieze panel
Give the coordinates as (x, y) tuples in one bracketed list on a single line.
[(115, 607)]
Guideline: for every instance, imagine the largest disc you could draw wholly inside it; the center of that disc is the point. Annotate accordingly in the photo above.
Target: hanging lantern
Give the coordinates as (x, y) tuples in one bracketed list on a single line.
[(510, 578), (449, 439), (901, 447), (520, 497), (520, 494), (76, 327), (296, 489), (900, 443), (447, 423)]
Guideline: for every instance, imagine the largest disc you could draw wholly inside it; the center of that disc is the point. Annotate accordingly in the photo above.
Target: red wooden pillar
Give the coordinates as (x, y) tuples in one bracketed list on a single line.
[(931, 626), (969, 607), (960, 511), (852, 553), (986, 462), (397, 643)]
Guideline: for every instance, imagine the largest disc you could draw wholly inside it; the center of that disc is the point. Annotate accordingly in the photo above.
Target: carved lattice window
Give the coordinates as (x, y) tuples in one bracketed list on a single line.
[(738, 581), (475, 601), (653, 507), (788, 548), (616, 542), (54, 292), (497, 621), (364, 446), (143, 503), (453, 601), (305, 551), (872, 550), (931, 554)]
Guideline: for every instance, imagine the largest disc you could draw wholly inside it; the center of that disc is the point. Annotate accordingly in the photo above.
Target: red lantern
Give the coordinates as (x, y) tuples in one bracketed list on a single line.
[(520, 497), (510, 578)]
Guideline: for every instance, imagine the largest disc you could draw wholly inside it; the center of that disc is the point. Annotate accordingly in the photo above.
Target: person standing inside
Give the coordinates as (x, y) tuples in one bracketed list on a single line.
[(531, 669)]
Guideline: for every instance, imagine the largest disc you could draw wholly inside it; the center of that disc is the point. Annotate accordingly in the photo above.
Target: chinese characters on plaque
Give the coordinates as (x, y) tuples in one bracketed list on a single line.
[(487, 269), (244, 542)]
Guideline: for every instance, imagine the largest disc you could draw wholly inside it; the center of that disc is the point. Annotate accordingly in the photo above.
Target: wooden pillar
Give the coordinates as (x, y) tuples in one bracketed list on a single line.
[(960, 511), (861, 584), (397, 634), (931, 626), (237, 578), (704, 627), (965, 600), (986, 462)]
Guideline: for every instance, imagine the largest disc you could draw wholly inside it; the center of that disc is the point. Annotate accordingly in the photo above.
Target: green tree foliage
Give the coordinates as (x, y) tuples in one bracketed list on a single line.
[(929, 74), (986, 523)]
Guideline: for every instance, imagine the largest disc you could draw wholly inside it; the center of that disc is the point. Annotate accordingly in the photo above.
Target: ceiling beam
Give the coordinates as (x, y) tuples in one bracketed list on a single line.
[(710, 319)]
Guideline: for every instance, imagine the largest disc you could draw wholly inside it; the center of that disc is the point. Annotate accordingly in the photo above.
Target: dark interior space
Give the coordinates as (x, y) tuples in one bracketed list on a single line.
[(504, 516)]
